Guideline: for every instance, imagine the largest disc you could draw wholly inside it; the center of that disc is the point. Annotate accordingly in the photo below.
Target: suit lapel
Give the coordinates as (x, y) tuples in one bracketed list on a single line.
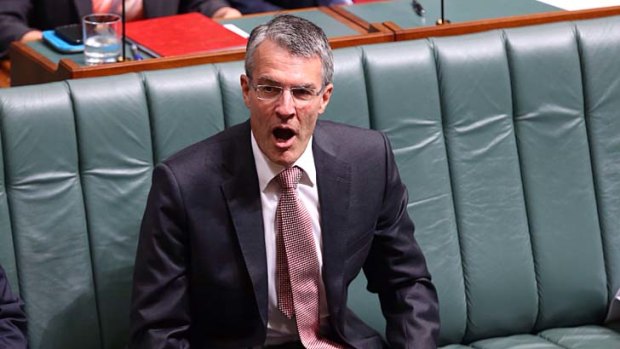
[(242, 195), (334, 181)]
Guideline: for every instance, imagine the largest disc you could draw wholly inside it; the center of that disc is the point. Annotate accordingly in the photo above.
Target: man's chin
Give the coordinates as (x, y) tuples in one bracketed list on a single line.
[(284, 158)]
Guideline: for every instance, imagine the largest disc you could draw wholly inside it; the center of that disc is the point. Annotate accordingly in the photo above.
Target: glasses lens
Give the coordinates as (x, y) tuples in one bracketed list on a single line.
[(302, 94), (268, 92)]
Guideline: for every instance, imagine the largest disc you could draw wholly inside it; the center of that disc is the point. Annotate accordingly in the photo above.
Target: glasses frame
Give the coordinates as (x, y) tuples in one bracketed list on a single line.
[(291, 91)]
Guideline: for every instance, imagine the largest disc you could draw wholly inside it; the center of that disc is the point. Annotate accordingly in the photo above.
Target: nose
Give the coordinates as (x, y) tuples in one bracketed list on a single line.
[(285, 104)]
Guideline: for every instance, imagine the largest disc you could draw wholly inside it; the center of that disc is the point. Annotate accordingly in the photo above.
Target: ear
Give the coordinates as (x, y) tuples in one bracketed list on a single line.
[(325, 97), (245, 89)]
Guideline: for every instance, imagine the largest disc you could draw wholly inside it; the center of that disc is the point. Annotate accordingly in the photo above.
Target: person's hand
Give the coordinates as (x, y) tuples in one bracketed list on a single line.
[(31, 36), (226, 12)]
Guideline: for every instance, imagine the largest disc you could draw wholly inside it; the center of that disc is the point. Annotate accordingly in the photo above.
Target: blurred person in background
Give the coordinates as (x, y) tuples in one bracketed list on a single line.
[(12, 317), (23, 20), (254, 6)]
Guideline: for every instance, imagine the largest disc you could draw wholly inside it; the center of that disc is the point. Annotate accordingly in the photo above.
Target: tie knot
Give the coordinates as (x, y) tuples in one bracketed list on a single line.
[(289, 178)]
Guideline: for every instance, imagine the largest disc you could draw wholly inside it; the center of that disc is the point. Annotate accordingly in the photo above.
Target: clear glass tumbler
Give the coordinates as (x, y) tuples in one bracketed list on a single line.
[(102, 38)]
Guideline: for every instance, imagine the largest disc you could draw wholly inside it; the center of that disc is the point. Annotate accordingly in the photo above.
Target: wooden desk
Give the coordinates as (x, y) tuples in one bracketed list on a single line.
[(498, 23), (402, 13), (411, 31), (31, 62), (34, 62), (5, 68)]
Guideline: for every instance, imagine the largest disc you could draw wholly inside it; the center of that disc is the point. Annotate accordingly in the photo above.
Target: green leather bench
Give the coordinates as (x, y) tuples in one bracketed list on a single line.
[(509, 142)]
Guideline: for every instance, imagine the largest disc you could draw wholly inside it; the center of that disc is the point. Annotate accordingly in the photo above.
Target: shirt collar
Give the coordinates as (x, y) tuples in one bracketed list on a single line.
[(267, 170)]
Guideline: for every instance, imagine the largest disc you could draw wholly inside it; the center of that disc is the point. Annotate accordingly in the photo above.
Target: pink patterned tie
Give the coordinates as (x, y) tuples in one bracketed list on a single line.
[(133, 8), (297, 265)]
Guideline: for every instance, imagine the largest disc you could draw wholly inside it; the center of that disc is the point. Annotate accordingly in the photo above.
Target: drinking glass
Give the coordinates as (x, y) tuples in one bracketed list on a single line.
[(102, 38)]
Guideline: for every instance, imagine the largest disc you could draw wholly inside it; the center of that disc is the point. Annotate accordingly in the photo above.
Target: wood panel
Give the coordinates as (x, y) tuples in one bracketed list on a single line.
[(5, 73)]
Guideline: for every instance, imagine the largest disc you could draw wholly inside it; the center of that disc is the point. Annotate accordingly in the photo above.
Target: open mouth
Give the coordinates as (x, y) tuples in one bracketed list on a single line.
[(283, 134)]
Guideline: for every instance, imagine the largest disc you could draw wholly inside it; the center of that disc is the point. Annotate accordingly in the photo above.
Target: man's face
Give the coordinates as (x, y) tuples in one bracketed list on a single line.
[(283, 126)]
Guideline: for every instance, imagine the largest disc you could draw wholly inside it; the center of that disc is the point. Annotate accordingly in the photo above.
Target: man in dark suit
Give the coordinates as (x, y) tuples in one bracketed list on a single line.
[(24, 19), (12, 317), (233, 255), (254, 6)]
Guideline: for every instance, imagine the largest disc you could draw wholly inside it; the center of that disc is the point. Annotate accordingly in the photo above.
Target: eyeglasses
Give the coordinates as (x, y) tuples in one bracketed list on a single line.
[(271, 93)]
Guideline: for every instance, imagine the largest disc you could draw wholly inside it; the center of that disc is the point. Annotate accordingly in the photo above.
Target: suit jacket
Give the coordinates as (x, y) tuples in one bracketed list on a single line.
[(200, 276), (12, 317), (20, 16)]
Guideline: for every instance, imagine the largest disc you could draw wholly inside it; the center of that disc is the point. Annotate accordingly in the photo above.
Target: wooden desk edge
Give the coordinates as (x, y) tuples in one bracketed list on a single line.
[(27, 65), (68, 69), (5, 73), (330, 11), (343, 13), (498, 23), (350, 16)]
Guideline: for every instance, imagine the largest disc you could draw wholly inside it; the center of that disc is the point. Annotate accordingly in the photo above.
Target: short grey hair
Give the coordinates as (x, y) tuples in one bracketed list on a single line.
[(297, 35)]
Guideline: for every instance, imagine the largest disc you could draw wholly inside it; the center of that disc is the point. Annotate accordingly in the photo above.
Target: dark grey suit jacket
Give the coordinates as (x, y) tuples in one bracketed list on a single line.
[(20, 16), (254, 6), (200, 277), (12, 317)]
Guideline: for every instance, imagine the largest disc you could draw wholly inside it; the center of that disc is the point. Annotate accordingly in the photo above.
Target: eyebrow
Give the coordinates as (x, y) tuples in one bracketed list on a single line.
[(268, 81)]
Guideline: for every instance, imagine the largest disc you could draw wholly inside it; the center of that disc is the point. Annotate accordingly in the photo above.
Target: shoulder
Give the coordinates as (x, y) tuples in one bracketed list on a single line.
[(214, 149), (350, 140), (216, 155)]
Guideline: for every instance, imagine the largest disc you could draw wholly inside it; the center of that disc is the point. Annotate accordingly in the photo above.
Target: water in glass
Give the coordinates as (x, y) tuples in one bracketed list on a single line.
[(104, 48)]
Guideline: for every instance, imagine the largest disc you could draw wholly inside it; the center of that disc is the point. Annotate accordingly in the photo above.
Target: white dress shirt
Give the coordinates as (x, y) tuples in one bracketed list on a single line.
[(279, 328)]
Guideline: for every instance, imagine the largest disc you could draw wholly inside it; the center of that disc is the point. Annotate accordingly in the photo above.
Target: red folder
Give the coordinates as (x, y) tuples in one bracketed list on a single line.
[(182, 34)]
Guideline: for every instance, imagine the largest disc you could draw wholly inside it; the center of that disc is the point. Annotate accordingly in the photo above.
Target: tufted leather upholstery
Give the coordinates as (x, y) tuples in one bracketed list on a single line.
[(507, 140)]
